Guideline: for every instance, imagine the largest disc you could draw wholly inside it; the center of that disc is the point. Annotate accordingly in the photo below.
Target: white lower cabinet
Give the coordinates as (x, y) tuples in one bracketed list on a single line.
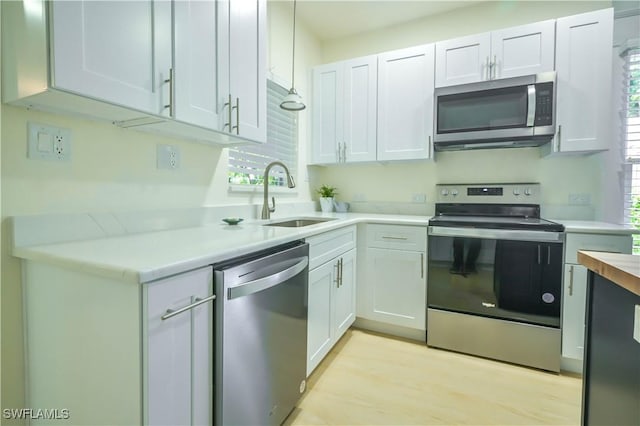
[(395, 284), (177, 350), (574, 291), (117, 352), (332, 293)]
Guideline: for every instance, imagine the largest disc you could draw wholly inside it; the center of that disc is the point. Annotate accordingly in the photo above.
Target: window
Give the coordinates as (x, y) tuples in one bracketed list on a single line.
[(631, 136), (247, 163)]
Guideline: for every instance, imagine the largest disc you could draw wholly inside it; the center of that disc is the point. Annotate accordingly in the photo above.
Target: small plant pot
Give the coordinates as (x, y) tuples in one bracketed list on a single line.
[(326, 204)]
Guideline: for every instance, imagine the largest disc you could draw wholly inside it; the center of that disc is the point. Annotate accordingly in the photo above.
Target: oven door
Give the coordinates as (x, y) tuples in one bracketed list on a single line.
[(505, 274)]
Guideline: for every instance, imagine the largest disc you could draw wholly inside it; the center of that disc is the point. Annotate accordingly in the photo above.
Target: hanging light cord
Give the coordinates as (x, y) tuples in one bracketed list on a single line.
[(293, 61)]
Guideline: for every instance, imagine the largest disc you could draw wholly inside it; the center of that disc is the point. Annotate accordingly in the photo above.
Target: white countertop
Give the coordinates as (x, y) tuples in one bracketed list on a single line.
[(149, 256), (595, 227)]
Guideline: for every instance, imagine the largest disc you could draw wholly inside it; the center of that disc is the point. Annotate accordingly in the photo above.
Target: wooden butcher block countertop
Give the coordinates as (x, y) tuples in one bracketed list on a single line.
[(622, 269)]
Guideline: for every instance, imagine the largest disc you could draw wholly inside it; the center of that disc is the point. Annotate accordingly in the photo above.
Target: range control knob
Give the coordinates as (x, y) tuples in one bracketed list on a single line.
[(528, 191), (444, 192), (454, 192), (516, 191)]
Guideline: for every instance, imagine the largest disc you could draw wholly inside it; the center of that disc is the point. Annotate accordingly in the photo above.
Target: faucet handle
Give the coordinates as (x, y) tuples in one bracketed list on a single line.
[(272, 209)]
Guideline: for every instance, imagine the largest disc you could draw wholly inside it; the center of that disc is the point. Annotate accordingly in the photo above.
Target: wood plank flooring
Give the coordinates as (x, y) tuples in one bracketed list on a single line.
[(370, 379)]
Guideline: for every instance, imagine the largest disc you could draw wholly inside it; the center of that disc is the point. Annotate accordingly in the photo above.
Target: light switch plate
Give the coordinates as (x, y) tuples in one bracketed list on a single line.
[(636, 324)]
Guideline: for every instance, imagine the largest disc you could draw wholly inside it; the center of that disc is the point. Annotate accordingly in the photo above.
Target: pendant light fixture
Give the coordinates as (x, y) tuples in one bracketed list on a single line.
[(293, 101)]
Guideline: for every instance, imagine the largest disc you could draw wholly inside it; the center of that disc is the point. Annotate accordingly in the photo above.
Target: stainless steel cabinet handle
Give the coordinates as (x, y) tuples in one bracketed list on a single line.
[(559, 137), (228, 104), (385, 237), (344, 152), (421, 265), (260, 284), (198, 301), (340, 273), (494, 66), (571, 281), (429, 146), (488, 69), (337, 279), (237, 108), (170, 104), (338, 154), (538, 254), (548, 255)]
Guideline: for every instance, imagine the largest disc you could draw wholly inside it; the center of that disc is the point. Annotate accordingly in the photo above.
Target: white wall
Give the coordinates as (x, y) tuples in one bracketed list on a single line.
[(114, 169), (397, 182)]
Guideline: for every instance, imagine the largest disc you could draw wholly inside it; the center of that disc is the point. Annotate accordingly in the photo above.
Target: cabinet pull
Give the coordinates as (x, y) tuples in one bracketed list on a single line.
[(344, 152), (170, 104), (571, 281), (538, 254), (198, 301), (228, 104), (558, 137), (421, 265), (548, 255), (385, 237), (487, 68), (337, 279), (338, 157), (429, 146), (237, 108), (341, 264), (494, 67)]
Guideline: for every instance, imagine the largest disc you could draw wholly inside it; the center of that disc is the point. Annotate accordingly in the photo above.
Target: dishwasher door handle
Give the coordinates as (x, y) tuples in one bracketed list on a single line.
[(260, 284)]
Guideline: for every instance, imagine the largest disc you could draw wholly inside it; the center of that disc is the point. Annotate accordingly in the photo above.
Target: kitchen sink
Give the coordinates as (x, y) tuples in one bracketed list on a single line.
[(299, 222)]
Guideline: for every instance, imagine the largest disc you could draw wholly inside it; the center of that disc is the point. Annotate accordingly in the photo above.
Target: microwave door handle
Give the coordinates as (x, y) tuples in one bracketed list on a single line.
[(531, 104)]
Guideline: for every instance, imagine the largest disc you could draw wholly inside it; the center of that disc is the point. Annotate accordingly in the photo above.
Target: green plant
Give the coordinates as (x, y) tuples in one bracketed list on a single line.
[(327, 191)]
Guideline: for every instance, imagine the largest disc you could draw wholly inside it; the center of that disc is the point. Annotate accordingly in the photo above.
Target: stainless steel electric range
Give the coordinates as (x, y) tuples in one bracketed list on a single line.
[(495, 274)]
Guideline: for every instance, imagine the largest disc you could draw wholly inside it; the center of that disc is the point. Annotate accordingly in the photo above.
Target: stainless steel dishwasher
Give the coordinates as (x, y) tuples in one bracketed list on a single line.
[(261, 335)]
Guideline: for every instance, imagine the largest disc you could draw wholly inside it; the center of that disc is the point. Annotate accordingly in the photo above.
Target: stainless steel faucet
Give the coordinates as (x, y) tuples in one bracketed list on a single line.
[(266, 210)]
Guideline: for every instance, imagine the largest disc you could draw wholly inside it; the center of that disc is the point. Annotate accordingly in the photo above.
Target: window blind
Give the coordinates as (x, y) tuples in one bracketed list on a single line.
[(631, 139), (247, 163)]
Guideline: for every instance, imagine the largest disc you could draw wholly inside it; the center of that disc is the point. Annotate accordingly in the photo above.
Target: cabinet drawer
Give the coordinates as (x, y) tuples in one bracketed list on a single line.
[(324, 247), (400, 237), (595, 242)]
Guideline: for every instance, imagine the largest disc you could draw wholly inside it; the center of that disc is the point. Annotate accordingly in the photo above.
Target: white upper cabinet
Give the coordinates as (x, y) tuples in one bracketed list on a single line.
[(327, 112), (114, 51), (242, 91), (511, 52), (405, 103), (583, 74), (344, 111), (195, 69)]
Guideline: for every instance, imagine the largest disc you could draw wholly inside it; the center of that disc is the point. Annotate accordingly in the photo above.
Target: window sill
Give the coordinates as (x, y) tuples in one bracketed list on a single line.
[(258, 189)]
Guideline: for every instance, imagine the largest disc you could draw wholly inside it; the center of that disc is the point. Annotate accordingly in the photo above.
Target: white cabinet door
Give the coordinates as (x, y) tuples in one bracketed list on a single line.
[(583, 73), (247, 35), (463, 60), (360, 113), (345, 294), (397, 286), (195, 68), (574, 299), (178, 361), (523, 50), (405, 103), (118, 52), (328, 115), (319, 318)]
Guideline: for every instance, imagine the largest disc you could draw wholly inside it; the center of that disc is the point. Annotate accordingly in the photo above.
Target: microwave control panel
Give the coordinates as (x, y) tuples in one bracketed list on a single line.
[(544, 104)]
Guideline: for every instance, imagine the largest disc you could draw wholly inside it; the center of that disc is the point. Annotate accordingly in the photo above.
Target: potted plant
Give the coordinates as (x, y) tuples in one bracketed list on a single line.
[(327, 193)]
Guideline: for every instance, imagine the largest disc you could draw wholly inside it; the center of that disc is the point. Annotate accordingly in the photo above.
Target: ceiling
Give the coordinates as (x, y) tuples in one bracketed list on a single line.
[(332, 19)]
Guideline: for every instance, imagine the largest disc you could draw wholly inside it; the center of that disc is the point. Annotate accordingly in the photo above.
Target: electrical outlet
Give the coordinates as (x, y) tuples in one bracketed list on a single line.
[(419, 198), (579, 199), (168, 157), (49, 143)]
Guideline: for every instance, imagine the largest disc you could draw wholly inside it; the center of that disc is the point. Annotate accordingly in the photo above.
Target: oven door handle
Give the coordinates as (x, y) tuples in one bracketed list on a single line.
[(495, 234)]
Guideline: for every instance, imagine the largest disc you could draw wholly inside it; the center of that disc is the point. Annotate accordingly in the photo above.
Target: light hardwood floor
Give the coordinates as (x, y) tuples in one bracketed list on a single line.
[(370, 379)]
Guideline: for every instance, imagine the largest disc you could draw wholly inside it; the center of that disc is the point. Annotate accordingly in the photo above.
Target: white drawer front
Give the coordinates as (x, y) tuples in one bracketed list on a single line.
[(324, 247), (400, 237), (595, 242)]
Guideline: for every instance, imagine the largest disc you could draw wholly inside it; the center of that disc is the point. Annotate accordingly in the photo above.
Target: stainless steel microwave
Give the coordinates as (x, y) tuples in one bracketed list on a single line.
[(510, 112)]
